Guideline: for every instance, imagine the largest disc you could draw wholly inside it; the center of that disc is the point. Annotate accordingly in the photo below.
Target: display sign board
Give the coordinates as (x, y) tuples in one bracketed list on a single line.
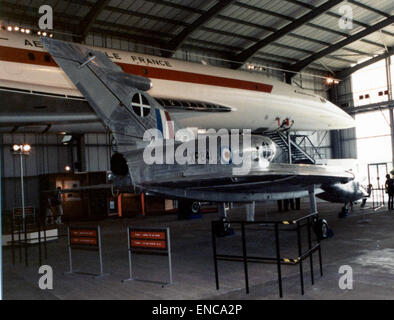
[(148, 239), (84, 237), (29, 216), (19, 211)]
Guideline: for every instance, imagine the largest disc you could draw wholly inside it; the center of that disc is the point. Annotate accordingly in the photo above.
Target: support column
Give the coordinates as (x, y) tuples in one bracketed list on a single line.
[(222, 210), (289, 144), (312, 199), (1, 215), (390, 97), (250, 211)]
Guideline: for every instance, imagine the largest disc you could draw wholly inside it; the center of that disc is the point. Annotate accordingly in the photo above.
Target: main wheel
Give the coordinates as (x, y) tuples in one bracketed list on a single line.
[(324, 229), (187, 209), (195, 207)]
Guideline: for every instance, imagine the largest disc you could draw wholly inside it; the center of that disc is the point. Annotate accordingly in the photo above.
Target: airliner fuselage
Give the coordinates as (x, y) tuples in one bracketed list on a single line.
[(201, 96)]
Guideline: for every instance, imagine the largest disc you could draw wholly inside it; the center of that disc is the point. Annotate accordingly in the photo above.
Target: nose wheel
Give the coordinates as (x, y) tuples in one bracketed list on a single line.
[(321, 229)]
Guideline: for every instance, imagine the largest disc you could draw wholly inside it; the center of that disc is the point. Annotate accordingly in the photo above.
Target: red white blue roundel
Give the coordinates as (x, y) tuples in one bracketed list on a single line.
[(140, 105), (225, 155)]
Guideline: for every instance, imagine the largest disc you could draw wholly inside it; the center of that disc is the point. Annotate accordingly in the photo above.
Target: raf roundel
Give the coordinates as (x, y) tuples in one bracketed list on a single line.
[(140, 105)]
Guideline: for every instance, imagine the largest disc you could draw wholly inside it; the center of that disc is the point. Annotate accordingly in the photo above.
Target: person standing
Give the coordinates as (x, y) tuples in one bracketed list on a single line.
[(51, 210), (59, 206), (390, 191), (365, 198)]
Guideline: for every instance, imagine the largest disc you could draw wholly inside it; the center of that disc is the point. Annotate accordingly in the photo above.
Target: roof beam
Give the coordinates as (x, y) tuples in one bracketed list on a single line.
[(280, 45), (249, 52), (219, 16), (370, 107), (364, 6), (177, 41), (349, 71), (333, 14), (376, 27), (88, 21)]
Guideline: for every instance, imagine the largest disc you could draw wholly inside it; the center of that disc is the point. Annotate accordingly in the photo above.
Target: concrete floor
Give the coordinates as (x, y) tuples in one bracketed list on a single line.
[(366, 243)]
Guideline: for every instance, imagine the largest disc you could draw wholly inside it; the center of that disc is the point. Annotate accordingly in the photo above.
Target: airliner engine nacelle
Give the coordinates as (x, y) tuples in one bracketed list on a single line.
[(342, 192)]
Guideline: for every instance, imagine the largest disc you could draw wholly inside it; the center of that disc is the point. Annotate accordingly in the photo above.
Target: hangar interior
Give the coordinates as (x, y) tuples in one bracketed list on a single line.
[(343, 55)]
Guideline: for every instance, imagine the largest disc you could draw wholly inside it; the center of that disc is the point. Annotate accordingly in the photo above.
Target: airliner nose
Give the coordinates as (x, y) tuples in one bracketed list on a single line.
[(344, 119)]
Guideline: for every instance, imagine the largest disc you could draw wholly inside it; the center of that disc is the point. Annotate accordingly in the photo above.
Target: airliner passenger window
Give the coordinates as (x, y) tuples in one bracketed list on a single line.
[(31, 56)]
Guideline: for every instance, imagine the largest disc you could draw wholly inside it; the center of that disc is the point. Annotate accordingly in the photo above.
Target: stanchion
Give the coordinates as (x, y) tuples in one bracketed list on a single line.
[(278, 262), (215, 261), (244, 256), (294, 225), (299, 255)]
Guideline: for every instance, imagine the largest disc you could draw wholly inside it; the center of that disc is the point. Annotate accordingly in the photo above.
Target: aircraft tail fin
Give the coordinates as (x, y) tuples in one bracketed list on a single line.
[(119, 99)]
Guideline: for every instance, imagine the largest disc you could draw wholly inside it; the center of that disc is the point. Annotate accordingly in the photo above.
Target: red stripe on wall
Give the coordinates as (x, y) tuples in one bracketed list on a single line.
[(42, 58)]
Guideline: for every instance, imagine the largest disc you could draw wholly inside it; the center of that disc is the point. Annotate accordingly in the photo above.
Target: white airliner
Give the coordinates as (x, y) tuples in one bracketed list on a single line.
[(195, 95)]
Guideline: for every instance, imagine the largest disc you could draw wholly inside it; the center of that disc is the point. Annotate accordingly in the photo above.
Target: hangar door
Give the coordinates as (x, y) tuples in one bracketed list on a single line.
[(377, 174)]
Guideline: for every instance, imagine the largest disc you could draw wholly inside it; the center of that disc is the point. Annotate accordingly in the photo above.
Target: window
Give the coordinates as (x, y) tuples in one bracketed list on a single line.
[(31, 56)]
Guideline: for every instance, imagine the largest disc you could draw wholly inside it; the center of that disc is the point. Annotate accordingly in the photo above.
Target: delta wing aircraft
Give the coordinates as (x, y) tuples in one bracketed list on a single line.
[(141, 128)]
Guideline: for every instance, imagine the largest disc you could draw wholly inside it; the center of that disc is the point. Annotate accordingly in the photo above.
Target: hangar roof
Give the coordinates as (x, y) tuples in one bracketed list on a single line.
[(292, 34)]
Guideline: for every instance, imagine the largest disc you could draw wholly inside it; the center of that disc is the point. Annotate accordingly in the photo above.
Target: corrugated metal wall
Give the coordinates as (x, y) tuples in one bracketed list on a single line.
[(321, 140), (48, 155), (344, 142), (97, 151)]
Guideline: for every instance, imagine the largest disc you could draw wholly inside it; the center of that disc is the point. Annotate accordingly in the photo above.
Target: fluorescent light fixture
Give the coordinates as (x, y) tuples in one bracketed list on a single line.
[(67, 138)]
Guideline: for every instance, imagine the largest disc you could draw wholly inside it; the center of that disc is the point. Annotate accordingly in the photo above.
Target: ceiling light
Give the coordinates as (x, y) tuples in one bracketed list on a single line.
[(16, 28), (23, 30), (329, 80), (39, 33), (44, 34), (9, 28), (27, 31)]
